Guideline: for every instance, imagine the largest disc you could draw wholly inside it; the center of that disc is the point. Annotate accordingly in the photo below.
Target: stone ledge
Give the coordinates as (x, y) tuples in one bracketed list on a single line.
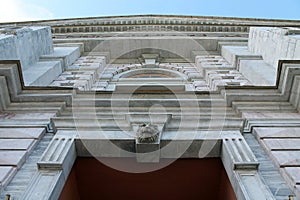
[(231, 43), (231, 54), (42, 73), (258, 72), (285, 158), (21, 133), (68, 55), (13, 158), (273, 132), (286, 144), (288, 70), (75, 44), (259, 119), (17, 144), (293, 174), (6, 174)]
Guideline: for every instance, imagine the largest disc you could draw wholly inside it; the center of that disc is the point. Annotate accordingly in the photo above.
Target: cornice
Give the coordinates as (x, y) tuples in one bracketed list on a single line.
[(183, 17), (155, 23)]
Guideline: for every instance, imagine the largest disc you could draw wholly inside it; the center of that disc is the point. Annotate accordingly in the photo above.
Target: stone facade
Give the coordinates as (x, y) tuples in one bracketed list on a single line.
[(213, 87)]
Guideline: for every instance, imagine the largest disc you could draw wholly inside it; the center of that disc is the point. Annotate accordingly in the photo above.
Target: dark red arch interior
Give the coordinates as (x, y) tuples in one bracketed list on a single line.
[(183, 179)]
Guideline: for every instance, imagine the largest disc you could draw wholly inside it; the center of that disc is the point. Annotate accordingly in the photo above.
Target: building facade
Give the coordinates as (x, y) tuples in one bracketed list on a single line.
[(152, 107)]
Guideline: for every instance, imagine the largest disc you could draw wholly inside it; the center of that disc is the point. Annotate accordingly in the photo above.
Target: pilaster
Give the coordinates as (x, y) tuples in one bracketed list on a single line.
[(54, 168), (242, 169)]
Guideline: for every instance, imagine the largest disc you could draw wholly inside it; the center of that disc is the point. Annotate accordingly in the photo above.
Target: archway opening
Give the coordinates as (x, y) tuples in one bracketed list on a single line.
[(183, 179)]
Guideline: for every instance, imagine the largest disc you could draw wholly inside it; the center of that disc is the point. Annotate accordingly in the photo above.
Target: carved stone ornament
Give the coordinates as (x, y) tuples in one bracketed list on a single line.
[(147, 133)]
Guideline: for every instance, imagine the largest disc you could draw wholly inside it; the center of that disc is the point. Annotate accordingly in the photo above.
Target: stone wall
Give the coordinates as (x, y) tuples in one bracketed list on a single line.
[(281, 43), (25, 44)]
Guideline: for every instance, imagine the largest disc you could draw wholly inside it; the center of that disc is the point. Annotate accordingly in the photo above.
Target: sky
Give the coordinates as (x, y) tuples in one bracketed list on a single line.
[(24, 10)]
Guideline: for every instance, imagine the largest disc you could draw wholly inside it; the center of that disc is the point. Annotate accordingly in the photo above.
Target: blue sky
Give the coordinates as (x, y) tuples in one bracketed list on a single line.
[(19, 10)]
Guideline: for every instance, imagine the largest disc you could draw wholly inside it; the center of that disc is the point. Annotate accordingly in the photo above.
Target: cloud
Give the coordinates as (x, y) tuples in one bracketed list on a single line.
[(18, 10)]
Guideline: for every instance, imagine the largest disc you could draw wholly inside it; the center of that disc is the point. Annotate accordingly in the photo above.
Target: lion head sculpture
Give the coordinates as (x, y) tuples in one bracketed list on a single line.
[(147, 133)]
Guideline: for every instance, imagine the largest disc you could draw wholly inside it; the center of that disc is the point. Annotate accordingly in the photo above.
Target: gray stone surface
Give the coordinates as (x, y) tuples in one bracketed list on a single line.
[(46, 185), (6, 174), (281, 42), (269, 173), (237, 154), (273, 132), (60, 155), (294, 174), (32, 45), (258, 72), (282, 144), (16, 144), (68, 55), (252, 186), (79, 44), (13, 79), (25, 175), (242, 169), (295, 93), (27, 45), (28, 133), (12, 158), (4, 95), (217, 79), (286, 158), (42, 73), (232, 53), (26, 116)]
